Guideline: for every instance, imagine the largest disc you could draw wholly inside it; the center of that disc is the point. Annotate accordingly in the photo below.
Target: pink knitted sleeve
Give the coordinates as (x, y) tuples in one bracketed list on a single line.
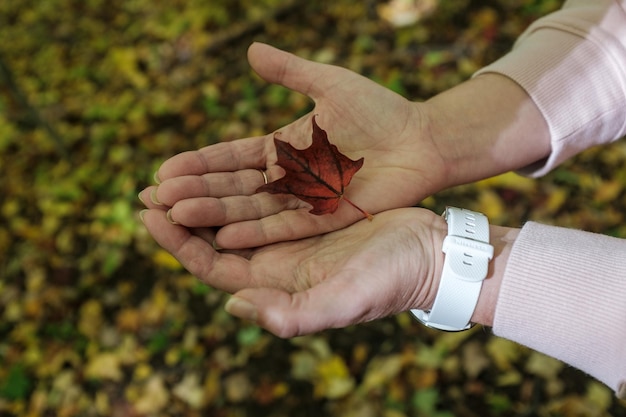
[(564, 294), (573, 65), (564, 291)]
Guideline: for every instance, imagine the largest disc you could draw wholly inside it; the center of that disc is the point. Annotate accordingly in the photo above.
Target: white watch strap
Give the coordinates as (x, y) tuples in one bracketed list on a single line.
[(466, 263)]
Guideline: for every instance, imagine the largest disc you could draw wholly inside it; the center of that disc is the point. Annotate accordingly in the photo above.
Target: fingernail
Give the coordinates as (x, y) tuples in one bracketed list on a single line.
[(156, 178), (168, 215), (141, 199), (153, 197), (216, 246), (142, 213), (241, 308)]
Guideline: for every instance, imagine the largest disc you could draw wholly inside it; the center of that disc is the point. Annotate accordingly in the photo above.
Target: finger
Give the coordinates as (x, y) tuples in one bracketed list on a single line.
[(222, 184), (205, 233), (325, 306), (284, 226), (149, 199), (280, 67), (256, 152), (209, 211), (208, 235), (227, 272)]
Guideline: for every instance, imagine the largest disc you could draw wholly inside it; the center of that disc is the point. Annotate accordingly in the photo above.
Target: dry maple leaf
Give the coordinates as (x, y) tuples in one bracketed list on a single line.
[(317, 175)]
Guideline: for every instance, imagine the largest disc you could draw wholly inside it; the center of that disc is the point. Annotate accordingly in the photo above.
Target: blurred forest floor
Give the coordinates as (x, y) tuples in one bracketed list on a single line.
[(96, 320)]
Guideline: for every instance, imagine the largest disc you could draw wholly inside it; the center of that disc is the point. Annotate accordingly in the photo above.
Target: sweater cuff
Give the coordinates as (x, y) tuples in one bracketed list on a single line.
[(563, 294), (575, 84)]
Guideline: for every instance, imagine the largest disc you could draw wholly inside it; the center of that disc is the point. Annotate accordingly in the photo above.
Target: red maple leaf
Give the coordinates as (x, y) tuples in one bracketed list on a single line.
[(317, 175)]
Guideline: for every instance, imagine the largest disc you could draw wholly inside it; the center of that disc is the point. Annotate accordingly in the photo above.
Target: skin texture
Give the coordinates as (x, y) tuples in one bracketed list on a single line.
[(293, 272), (358, 274), (412, 150), (331, 280)]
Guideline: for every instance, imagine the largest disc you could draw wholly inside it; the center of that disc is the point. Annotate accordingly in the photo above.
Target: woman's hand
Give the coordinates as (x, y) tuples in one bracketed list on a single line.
[(364, 272), (215, 186)]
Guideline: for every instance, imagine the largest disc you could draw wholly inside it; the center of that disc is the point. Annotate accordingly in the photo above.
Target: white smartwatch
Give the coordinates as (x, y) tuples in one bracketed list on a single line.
[(468, 253)]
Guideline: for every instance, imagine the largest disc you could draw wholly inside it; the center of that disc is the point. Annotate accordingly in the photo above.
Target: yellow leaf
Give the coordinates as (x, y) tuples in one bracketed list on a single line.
[(280, 390), (449, 341), (33, 307), (212, 386), (237, 387), (130, 351), (360, 353), (509, 378), (124, 60), (190, 391), (153, 397), (153, 310), (608, 191), (503, 352), (55, 360), (588, 181), (599, 395), (173, 356), (544, 366), (491, 205), (13, 311), (474, 359), (25, 333), (381, 370), (509, 180), (332, 379), (425, 378), (105, 365), (166, 260), (556, 198), (142, 372), (128, 319), (90, 319), (102, 404)]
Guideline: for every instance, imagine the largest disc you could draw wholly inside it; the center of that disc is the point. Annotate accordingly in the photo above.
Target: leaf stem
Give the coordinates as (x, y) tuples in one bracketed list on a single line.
[(368, 216)]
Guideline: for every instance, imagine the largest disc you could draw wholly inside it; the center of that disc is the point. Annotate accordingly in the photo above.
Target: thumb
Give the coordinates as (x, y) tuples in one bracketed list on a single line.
[(289, 315), (280, 67)]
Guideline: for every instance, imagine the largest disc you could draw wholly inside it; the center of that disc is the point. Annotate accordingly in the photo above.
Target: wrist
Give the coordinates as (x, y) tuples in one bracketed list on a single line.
[(484, 127), (502, 240), (439, 231)]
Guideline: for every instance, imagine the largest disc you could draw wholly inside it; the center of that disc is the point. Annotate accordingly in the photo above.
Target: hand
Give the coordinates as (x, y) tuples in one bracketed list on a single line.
[(215, 186), (364, 272)]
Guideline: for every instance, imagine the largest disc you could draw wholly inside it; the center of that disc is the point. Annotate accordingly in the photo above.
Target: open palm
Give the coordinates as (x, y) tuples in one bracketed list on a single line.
[(367, 271), (215, 186)]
